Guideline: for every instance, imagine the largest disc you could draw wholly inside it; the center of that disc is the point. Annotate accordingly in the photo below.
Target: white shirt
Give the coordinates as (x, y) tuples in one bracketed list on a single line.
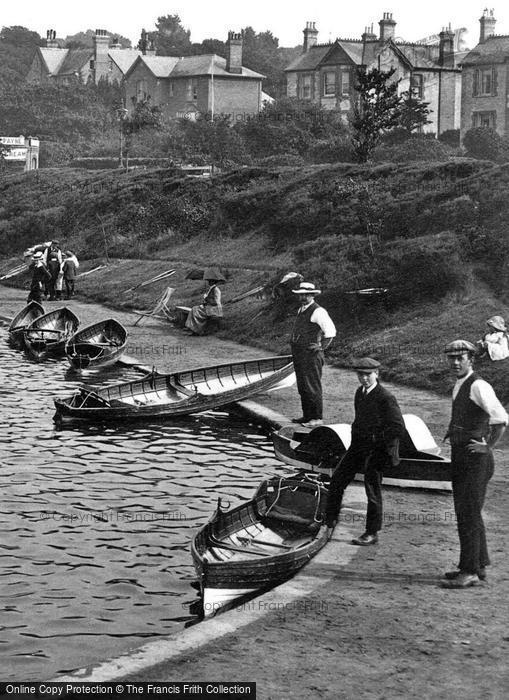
[(322, 319), (483, 395), (496, 344)]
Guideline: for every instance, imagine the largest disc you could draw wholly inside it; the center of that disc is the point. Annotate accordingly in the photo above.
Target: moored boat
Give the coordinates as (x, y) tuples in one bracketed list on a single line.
[(97, 345), (179, 393), (260, 543), (48, 334), (321, 449), (22, 320)]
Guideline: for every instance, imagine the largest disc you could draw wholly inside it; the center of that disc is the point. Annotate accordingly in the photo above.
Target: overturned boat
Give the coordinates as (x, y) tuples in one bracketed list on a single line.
[(260, 543), (48, 334), (97, 345), (321, 449), (21, 321), (178, 393)]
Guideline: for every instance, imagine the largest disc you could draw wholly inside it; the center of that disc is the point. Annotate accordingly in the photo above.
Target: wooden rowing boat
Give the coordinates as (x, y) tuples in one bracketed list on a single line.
[(262, 542), (321, 449), (22, 320), (178, 393), (48, 334), (97, 345)]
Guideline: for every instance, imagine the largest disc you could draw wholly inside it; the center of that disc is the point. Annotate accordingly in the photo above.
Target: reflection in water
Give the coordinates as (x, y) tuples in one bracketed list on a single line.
[(96, 521)]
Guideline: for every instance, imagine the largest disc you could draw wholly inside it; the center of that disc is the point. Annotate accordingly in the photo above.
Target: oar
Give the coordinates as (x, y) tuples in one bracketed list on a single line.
[(268, 544), (223, 545)]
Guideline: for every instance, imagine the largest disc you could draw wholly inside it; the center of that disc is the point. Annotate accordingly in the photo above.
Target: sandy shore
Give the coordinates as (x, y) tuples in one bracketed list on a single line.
[(373, 622)]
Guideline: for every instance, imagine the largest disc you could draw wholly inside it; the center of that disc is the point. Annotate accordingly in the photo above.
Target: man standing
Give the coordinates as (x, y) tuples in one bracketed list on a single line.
[(478, 422), (376, 432), (312, 334), (40, 276)]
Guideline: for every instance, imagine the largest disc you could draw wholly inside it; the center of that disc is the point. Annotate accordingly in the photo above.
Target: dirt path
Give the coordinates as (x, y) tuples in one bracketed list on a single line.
[(379, 626)]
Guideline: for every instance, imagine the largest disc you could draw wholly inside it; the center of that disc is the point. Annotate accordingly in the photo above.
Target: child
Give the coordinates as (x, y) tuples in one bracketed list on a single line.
[(494, 341)]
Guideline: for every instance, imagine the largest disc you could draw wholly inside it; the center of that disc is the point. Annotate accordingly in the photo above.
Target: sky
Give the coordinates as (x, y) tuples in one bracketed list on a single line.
[(286, 19)]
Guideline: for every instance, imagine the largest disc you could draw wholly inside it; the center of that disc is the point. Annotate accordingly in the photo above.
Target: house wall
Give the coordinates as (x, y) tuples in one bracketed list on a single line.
[(471, 104), (37, 72), (238, 98)]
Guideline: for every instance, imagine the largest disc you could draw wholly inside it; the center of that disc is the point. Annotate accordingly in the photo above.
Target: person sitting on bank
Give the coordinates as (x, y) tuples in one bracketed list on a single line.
[(494, 341), (210, 308), (40, 277), (376, 431)]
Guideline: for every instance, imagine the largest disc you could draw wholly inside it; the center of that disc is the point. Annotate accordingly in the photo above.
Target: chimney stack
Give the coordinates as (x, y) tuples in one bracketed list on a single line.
[(446, 46), (488, 23), (51, 39), (387, 27), (310, 36), (368, 34), (234, 53), (101, 58)]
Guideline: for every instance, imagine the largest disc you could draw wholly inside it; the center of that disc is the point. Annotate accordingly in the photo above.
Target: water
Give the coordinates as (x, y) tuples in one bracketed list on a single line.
[(96, 521)]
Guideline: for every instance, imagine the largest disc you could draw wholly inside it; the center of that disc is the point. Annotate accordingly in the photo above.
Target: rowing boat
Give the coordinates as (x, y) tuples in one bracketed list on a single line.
[(97, 345), (179, 393), (48, 334), (321, 449), (260, 543), (22, 320)]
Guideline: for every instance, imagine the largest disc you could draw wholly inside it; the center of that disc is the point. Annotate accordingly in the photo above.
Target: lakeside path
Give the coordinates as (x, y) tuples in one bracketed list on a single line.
[(357, 622)]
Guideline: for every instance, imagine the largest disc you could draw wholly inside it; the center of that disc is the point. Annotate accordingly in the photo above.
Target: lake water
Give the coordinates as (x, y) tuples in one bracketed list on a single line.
[(95, 522)]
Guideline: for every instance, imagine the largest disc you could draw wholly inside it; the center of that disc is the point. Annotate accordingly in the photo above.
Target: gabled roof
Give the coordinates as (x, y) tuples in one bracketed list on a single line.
[(190, 66), (75, 60), (124, 58), (494, 50), (311, 59), (53, 58)]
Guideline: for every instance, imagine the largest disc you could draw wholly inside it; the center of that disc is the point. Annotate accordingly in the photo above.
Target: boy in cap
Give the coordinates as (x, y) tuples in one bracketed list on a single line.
[(313, 332), (376, 431), (478, 422)]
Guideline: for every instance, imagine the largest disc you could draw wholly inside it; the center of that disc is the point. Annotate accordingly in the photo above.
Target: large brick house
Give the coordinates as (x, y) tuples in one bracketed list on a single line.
[(107, 60), (485, 88), (193, 85), (325, 73)]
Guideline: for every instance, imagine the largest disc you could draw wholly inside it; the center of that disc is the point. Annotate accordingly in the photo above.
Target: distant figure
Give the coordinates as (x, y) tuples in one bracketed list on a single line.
[(376, 431), (69, 269), (40, 277), (494, 341), (210, 307), (313, 332), (53, 261)]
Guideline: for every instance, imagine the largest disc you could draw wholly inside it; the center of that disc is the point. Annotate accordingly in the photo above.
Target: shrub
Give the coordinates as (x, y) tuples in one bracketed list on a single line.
[(451, 137), (484, 143), (415, 148)]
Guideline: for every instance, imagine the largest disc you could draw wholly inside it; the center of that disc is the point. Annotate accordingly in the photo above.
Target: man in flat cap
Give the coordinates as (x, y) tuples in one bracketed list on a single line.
[(313, 332), (376, 432), (478, 422)]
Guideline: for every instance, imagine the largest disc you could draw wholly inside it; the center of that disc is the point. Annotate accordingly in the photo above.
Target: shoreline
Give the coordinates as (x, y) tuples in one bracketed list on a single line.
[(356, 621)]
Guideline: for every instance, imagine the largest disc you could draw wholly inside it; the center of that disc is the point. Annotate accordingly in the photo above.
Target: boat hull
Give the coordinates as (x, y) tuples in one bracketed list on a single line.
[(177, 394), (21, 321), (419, 468), (47, 335), (259, 544), (98, 345)]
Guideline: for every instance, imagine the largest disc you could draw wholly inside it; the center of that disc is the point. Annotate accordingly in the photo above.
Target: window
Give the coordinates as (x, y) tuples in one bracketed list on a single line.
[(485, 81), (305, 87), (170, 88), (485, 119), (141, 90), (192, 89), (416, 86), (345, 83), (329, 83)]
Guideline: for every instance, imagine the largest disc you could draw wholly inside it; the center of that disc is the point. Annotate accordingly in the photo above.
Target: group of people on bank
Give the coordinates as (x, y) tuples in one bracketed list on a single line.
[(51, 269), (477, 423)]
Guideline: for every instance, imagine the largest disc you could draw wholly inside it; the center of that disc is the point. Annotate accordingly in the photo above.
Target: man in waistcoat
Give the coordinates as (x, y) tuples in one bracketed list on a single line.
[(312, 334), (478, 422), (376, 432)]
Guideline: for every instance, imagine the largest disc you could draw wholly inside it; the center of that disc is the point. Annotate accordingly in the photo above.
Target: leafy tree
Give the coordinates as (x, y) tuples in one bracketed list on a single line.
[(17, 48), (414, 112), (171, 38), (144, 116), (261, 53), (376, 110), (85, 40)]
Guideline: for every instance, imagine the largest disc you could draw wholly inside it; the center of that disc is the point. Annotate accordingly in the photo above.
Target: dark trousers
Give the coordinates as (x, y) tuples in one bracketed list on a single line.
[(308, 366), (374, 458), (69, 288), (35, 294), (470, 476)]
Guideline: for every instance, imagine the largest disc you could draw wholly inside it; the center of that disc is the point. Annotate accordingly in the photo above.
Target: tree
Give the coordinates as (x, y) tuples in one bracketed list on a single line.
[(17, 48), (144, 116), (414, 112), (171, 38), (376, 110), (483, 142)]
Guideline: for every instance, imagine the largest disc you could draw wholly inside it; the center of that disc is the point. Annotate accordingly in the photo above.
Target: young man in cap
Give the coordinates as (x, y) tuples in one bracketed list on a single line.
[(478, 422), (376, 431), (312, 334)]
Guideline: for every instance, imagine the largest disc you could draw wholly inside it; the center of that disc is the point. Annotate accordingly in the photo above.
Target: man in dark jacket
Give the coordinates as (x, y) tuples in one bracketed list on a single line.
[(40, 277), (376, 432)]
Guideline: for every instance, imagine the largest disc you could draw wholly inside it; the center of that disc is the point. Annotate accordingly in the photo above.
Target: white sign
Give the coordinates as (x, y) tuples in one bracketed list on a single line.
[(12, 140), (16, 154)]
